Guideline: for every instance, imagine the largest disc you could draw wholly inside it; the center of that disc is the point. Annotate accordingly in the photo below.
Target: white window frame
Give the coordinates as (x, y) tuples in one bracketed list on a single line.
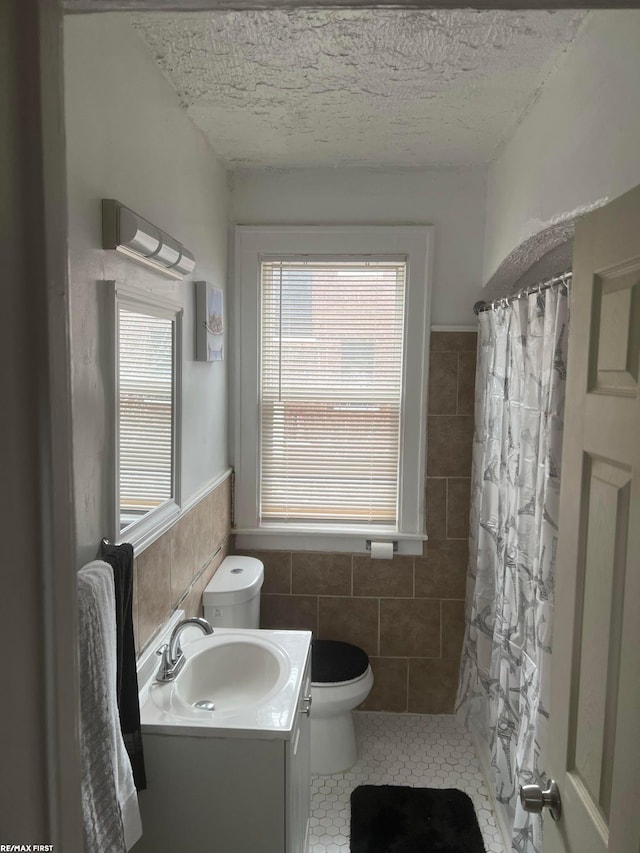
[(251, 245), (146, 529)]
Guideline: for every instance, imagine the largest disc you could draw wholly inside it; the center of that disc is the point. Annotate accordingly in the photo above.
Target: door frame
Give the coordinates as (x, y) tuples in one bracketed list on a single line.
[(249, 5), (41, 795), (39, 622)]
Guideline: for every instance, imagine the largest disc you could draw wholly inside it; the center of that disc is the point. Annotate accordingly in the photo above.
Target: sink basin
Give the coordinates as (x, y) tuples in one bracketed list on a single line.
[(234, 680), (231, 674)]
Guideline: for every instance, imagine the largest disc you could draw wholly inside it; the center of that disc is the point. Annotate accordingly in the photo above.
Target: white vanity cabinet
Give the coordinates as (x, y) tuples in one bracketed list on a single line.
[(240, 792), (298, 772)]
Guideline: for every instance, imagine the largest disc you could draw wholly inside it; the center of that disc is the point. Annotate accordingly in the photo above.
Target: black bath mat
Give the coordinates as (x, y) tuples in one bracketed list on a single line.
[(399, 819)]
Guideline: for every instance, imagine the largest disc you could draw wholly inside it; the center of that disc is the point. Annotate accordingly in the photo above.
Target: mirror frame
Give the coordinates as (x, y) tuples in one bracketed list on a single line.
[(153, 523)]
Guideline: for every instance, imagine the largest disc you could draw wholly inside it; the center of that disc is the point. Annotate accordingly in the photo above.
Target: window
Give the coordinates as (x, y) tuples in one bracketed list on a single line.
[(330, 360), (331, 400), (147, 336)]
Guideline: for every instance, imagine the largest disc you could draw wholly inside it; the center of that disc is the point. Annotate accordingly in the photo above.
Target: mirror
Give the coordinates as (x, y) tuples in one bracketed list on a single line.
[(147, 381)]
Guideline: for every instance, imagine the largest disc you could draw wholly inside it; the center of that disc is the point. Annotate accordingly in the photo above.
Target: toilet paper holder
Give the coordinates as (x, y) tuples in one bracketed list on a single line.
[(368, 545)]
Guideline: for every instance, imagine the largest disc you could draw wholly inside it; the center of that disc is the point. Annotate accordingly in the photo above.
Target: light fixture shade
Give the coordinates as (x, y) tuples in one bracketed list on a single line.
[(168, 252), (187, 262), (134, 236)]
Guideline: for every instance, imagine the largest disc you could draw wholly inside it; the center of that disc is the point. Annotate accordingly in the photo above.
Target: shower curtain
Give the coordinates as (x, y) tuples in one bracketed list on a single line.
[(504, 679)]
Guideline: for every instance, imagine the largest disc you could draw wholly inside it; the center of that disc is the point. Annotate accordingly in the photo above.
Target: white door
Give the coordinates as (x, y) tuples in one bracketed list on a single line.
[(594, 744)]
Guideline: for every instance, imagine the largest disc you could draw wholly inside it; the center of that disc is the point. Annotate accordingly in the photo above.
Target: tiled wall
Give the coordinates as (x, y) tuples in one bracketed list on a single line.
[(407, 613), (174, 571)]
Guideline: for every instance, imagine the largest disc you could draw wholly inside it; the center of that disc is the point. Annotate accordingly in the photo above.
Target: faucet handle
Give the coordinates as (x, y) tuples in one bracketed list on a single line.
[(164, 672)]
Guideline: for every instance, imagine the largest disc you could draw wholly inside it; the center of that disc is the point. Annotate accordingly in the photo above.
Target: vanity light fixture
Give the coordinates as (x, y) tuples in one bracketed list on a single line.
[(135, 237)]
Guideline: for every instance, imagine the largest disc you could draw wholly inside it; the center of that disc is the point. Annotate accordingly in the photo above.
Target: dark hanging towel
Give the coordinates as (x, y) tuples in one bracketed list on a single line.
[(120, 558)]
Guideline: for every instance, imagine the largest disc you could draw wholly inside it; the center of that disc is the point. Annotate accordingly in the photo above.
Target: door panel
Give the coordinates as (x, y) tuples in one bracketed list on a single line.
[(616, 317), (594, 739), (602, 580)]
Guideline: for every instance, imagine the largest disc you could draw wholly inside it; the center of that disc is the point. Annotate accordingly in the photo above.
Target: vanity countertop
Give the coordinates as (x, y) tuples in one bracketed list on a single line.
[(163, 709)]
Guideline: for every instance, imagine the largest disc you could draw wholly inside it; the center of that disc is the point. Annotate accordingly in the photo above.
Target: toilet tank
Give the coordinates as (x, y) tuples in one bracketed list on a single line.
[(232, 596)]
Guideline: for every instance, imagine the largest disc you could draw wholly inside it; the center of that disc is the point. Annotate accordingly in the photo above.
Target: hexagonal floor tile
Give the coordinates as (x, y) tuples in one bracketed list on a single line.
[(419, 750)]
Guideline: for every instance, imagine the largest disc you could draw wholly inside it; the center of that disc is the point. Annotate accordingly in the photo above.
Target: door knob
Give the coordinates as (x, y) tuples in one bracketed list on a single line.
[(534, 799)]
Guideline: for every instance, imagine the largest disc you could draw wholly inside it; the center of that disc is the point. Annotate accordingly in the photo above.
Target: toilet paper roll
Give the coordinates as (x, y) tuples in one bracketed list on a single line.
[(382, 550)]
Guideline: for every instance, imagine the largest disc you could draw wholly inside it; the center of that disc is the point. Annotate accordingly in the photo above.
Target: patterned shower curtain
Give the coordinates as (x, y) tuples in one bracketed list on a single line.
[(504, 680)]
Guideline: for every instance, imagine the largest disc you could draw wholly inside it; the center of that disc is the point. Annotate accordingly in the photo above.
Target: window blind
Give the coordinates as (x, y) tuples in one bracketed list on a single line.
[(331, 390), (145, 412)]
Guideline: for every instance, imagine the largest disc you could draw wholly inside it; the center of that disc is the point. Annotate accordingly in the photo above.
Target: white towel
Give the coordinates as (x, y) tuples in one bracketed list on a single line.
[(109, 800)]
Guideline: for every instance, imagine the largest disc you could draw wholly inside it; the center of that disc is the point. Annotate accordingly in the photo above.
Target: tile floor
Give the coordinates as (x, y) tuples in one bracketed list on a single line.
[(400, 749)]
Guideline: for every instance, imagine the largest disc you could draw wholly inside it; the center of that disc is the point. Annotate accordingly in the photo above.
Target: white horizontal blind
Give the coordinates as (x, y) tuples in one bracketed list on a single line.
[(145, 412), (331, 390)]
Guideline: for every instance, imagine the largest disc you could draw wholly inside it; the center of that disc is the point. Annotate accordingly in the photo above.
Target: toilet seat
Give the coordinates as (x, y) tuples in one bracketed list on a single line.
[(328, 684), (334, 662)]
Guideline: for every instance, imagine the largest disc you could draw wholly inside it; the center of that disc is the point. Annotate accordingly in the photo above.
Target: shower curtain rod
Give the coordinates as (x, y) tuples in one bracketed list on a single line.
[(564, 278)]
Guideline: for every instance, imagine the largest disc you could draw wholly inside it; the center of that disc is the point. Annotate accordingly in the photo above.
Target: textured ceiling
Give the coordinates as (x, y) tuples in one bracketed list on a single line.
[(371, 88)]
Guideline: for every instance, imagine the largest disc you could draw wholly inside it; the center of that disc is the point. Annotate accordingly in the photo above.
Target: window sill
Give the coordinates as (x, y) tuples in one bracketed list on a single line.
[(150, 527), (350, 540)]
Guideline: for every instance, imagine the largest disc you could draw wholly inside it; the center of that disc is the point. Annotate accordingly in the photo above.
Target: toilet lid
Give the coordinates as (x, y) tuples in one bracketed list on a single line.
[(333, 661)]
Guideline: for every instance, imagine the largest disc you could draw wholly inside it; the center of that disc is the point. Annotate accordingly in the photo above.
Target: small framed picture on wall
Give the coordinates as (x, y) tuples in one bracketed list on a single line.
[(209, 322)]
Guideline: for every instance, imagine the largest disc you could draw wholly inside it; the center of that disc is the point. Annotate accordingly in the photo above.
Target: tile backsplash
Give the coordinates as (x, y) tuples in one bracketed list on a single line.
[(407, 613), (173, 572)]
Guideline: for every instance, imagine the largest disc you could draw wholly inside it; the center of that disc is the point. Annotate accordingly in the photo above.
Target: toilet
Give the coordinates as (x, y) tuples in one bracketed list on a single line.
[(341, 678), (232, 596)]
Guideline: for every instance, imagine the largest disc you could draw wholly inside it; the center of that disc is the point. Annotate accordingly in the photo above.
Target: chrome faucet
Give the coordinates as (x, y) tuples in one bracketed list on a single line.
[(173, 658)]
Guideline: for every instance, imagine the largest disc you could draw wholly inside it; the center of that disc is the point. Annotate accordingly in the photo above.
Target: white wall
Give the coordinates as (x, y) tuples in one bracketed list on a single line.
[(451, 200), (127, 138), (580, 143)]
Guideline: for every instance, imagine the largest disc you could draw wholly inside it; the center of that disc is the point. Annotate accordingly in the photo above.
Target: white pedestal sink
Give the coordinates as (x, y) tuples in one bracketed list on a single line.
[(236, 778)]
